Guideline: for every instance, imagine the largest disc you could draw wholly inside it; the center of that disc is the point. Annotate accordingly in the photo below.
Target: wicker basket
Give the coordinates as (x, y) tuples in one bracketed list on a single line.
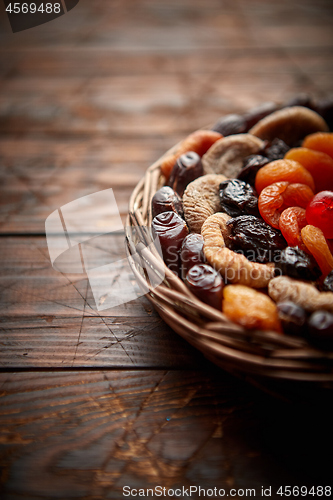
[(283, 365)]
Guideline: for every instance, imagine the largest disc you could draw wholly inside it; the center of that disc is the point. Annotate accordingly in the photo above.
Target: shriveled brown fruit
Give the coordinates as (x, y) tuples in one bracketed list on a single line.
[(201, 199), (234, 267), (226, 155), (289, 124)]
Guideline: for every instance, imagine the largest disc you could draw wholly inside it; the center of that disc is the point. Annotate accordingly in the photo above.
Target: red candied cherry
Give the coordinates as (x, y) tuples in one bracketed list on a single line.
[(319, 212)]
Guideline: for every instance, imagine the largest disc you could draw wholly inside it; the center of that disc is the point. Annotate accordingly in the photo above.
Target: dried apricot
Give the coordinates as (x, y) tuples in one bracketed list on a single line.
[(276, 197), (320, 165), (291, 222), (250, 308), (199, 142), (320, 141), (319, 212), (283, 170), (315, 242)]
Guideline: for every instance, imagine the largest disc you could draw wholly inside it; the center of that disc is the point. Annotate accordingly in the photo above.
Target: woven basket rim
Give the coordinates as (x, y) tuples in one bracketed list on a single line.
[(266, 354)]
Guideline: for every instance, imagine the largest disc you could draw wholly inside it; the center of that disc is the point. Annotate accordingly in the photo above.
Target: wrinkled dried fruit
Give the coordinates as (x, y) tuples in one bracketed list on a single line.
[(275, 150), (319, 212), (293, 318), (298, 264), (171, 231), (201, 199), (258, 241), (251, 165), (191, 252), (289, 124), (320, 166), (199, 142), (238, 198), (250, 308), (304, 294), (325, 109), (283, 170), (320, 141), (328, 283), (230, 124), (187, 168), (227, 155), (234, 267), (166, 200), (291, 222), (314, 240), (206, 284), (275, 198)]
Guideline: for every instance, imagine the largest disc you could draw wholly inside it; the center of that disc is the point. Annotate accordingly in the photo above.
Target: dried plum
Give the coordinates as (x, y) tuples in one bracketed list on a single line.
[(302, 99), (328, 283), (275, 150), (293, 317), (296, 263), (230, 125), (238, 198), (325, 109), (250, 168), (258, 241)]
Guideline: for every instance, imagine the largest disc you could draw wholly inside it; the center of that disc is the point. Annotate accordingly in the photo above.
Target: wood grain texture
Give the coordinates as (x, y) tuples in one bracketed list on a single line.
[(74, 435), (90, 402)]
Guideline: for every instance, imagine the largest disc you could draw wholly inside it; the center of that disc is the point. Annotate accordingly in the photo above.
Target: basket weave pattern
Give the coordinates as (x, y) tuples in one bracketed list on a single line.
[(258, 354)]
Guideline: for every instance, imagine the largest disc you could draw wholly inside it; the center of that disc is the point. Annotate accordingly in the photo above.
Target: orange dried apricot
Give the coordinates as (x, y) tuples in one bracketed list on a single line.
[(276, 197), (320, 141), (316, 243), (283, 170), (320, 165), (199, 142), (291, 222), (250, 308)]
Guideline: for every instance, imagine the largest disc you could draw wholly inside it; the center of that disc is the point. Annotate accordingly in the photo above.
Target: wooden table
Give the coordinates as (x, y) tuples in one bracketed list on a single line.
[(92, 402)]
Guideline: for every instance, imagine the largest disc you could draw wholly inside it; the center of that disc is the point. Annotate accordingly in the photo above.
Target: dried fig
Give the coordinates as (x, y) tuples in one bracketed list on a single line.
[(226, 156), (201, 199)]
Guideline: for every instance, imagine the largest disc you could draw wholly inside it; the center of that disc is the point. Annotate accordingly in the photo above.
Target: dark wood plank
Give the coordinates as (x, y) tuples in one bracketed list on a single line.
[(50, 319), (87, 435)]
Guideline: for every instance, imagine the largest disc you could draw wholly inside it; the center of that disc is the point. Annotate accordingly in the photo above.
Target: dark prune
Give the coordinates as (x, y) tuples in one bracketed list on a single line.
[(230, 124), (171, 231), (166, 200), (206, 284), (328, 283), (250, 168), (325, 109), (275, 150), (237, 198), (258, 241), (293, 318), (187, 168), (258, 113), (296, 263), (191, 252), (300, 100), (321, 329)]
